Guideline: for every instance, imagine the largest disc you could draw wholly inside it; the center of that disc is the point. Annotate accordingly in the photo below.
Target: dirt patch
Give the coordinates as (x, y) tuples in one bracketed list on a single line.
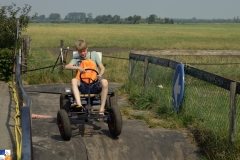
[(153, 52), (103, 50)]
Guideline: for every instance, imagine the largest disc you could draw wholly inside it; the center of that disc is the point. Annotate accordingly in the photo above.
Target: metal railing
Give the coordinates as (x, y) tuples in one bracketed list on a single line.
[(26, 121)]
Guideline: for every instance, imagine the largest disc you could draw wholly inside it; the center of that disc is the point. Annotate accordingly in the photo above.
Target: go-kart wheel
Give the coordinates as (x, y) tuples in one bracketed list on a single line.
[(64, 125), (64, 103), (115, 121), (111, 101)]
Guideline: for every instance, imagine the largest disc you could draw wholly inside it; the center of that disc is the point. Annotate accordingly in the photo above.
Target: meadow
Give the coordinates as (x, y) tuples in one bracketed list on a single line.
[(128, 37), (142, 36)]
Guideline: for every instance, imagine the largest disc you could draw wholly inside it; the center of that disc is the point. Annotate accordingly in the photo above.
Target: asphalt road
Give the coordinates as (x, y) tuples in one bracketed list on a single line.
[(92, 140)]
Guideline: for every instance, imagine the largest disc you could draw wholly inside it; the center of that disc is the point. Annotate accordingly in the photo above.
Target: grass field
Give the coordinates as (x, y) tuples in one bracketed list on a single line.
[(142, 36)]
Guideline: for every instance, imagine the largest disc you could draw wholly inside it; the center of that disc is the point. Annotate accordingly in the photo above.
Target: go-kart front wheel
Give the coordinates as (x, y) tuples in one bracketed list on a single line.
[(64, 103), (115, 121), (64, 125)]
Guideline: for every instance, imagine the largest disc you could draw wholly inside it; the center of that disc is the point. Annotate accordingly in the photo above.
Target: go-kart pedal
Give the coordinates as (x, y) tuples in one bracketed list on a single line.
[(88, 107), (74, 105), (100, 118)]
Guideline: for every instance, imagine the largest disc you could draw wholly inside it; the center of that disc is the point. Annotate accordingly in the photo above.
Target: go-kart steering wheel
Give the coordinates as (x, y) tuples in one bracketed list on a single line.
[(89, 79)]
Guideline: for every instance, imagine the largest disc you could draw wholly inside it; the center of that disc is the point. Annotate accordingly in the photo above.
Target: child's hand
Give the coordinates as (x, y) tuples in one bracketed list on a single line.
[(99, 76), (81, 70)]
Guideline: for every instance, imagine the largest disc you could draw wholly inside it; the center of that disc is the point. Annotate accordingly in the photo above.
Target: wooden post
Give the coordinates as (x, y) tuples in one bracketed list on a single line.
[(175, 58), (29, 45), (61, 55), (61, 43), (130, 68), (24, 52), (20, 61), (65, 57), (14, 78), (232, 113), (145, 73)]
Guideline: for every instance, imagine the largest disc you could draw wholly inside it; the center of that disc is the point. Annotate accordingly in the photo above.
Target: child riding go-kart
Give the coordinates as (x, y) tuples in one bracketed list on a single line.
[(85, 100), (90, 111)]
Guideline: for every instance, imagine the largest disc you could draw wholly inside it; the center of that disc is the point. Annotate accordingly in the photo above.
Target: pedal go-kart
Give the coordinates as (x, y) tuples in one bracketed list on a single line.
[(68, 115)]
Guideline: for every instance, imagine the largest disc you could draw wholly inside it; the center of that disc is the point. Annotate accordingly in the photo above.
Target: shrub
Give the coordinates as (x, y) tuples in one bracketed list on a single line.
[(8, 16), (8, 28), (6, 64)]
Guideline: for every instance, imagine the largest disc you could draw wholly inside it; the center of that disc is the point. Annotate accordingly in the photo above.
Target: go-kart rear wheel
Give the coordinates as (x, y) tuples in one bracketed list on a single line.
[(64, 125), (64, 103), (115, 121)]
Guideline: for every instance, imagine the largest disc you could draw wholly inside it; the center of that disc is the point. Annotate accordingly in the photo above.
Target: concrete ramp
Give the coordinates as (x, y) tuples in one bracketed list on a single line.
[(92, 140)]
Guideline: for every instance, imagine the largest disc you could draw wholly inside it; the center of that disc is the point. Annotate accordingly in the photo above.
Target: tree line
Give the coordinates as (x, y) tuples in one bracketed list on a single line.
[(195, 20), (81, 17)]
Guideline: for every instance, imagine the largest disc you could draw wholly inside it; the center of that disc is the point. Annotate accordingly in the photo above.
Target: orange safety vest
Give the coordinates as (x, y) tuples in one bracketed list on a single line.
[(89, 74)]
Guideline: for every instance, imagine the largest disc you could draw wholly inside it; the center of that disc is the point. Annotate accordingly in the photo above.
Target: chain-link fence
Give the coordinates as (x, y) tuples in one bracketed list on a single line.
[(206, 104)]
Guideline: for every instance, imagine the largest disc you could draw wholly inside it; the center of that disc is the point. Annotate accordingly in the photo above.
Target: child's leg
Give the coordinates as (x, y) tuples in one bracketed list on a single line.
[(76, 93), (104, 86)]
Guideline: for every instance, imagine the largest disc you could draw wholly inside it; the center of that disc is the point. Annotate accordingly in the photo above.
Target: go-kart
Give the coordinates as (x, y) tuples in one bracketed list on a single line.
[(68, 115)]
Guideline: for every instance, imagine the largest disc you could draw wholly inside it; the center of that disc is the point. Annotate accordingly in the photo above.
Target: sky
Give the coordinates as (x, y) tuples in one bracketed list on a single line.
[(200, 9)]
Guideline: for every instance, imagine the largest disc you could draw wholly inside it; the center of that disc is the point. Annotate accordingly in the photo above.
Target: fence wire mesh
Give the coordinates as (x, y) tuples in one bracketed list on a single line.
[(208, 105), (157, 84), (227, 66)]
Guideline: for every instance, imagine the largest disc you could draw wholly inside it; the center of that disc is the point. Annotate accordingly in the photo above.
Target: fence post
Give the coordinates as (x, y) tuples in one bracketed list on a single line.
[(24, 53), (145, 73), (14, 78), (130, 68), (175, 58), (61, 55), (61, 43), (61, 51), (232, 113), (29, 45)]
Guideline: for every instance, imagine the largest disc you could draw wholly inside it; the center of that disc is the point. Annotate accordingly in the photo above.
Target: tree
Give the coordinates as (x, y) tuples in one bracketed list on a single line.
[(116, 19), (8, 16), (152, 18), (76, 17), (41, 17), (99, 19), (130, 18), (136, 19), (107, 18), (89, 16), (166, 20), (54, 16)]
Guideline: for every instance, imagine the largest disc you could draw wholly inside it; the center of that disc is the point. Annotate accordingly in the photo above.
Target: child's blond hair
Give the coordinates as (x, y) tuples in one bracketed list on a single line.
[(80, 45)]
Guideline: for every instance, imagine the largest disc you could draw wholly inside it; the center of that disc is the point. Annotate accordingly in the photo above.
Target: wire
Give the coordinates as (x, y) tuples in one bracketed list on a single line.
[(17, 130), (115, 57)]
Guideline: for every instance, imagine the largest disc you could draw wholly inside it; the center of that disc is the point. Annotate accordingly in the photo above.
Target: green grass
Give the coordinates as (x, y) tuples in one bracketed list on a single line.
[(142, 36)]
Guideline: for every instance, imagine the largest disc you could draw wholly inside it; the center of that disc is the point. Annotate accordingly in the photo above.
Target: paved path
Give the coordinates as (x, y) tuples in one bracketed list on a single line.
[(7, 113), (137, 141)]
